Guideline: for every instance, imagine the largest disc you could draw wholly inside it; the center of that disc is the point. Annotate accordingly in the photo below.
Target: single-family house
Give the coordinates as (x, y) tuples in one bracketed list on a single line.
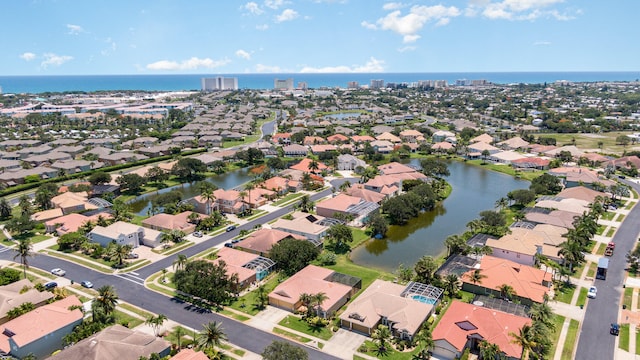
[(529, 283), (261, 241), (337, 287), (350, 162), (554, 217), (71, 222), (73, 202), (309, 226), (258, 197), (485, 138), (13, 295), (281, 138), (411, 136), (515, 143), (247, 266), (124, 233), (337, 139), (40, 331), (189, 354), (313, 140), (229, 201), (442, 135), (322, 148), (466, 325), (582, 193), (169, 222), (531, 162), (306, 165), (389, 304), (295, 150), (382, 146), (387, 136), (349, 206), (116, 342)]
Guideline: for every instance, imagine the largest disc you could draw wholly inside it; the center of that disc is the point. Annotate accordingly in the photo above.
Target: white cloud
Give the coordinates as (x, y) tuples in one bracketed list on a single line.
[(518, 9), (406, 48), (262, 27), (275, 4), (28, 56), (392, 6), (112, 46), (74, 29), (243, 54), (189, 64), (253, 8), (410, 24), (542, 43), (261, 68), (54, 60), (287, 15), (372, 66)]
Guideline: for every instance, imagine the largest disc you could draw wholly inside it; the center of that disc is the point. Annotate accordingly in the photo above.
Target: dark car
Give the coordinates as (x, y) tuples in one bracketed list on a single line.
[(615, 329), (231, 228), (50, 285)]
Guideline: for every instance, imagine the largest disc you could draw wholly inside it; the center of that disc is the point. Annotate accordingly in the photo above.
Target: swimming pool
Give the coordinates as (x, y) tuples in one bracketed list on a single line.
[(423, 299)]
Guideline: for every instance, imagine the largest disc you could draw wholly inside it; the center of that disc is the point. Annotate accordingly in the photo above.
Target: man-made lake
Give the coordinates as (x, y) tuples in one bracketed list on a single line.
[(343, 115), (227, 181), (474, 189)]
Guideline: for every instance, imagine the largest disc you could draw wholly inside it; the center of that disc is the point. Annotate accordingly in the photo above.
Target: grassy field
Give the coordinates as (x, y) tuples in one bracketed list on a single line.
[(558, 321), (582, 297), (624, 337), (626, 298), (637, 342), (592, 141), (601, 248), (506, 169), (611, 231), (565, 293), (570, 340), (291, 335), (593, 267), (296, 323)]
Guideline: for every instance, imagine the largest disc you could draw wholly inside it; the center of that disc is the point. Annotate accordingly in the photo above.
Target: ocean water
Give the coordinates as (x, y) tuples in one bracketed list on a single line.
[(88, 83)]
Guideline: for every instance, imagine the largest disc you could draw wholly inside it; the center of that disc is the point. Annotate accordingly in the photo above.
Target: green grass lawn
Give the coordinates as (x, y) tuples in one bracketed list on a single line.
[(624, 337), (593, 267), (122, 317), (564, 293), (582, 296), (505, 169), (611, 231), (600, 229), (608, 216), (296, 323), (558, 321), (256, 214), (601, 248), (288, 198), (570, 340), (246, 303), (637, 342), (133, 309), (247, 140), (626, 298), (291, 335), (175, 248), (620, 217), (590, 141)]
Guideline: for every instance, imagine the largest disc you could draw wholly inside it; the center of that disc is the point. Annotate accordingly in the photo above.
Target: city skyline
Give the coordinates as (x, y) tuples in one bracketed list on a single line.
[(316, 36)]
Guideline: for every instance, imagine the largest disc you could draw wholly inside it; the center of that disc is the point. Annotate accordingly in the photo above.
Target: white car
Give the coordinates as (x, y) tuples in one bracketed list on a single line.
[(592, 292), (58, 271)]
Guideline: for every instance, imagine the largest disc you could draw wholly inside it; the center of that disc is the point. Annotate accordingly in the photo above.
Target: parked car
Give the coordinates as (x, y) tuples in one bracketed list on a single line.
[(615, 329), (197, 234), (132, 256), (58, 272), (87, 284), (231, 228), (592, 292), (50, 285)]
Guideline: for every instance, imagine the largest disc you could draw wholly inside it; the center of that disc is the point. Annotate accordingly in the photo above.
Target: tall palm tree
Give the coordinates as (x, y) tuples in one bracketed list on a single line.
[(318, 299), (314, 166), (306, 205), (381, 336), (451, 284), (571, 252), (107, 299), (524, 338), (24, 251), (155, 322), (207, 195), (306, 299), (212, 335), (506, 291), (425, 342), (179, 333), (248, 187), (542, 313), (477, 276), (120, 252), (489, 351), (502, 203), (180, 262)]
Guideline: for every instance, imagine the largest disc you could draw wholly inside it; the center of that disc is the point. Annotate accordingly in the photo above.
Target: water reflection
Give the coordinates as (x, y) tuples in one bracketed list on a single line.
[(474, 189)]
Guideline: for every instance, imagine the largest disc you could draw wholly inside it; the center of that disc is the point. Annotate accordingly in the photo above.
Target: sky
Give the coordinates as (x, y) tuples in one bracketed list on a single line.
[(80, 37)]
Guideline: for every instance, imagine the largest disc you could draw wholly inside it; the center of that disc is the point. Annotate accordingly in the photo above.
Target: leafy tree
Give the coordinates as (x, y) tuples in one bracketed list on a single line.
[(5, 209), (71, 241), (339, 236), (24, 250), (522, 196), (156, 175), (433, 167), (20, 224), (189, 168), (9, 275), (623, 140), (207, 281), (282, 350), (26, 208), (378, 225), (293, 255), (121, 211), (262, 297), (132, 183), (276, 163), (545, 184), (99, 178), (44, 194), (212, 335)]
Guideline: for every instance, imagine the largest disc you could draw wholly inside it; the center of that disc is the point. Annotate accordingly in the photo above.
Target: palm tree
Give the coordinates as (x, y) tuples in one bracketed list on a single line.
[(425, 343), (24, 251), (212, 335), (179, 333), (248, 187), (318, 299), (506, 291), (571, 252), (107, 299), (476, 277), (120, 252), (155, 322), (381, 336), (542, 313), (314, 166), (502, 203), (306, 205), (344, 186), (451, 284), (455, 244), (306, 300), (261, 297), (180, 262), (207, 195), (485, 154), (524, 338), (489, 351)]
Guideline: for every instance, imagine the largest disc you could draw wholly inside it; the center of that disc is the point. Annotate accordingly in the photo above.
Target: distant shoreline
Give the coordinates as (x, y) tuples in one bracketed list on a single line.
[(36, 84)]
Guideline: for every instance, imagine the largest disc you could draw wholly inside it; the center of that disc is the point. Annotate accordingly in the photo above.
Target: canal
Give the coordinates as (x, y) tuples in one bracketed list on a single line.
[(474, 189), (227, 180)]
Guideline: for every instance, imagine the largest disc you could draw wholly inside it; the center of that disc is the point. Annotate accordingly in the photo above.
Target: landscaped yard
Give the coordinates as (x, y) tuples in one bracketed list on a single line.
[(558, 321), (564, 292), (601, 248), (611, 231), (390, 354), (628, 295), (122, 317), (296, 323), (582, 296), (593, 267), (570, 340), (608, 216), (246, 303), (624, 337)]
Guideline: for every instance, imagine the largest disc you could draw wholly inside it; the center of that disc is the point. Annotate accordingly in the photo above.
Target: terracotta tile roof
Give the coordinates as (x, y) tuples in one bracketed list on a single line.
[(189, 354), (263, 240), (525, 280), (362, 138), (337, 137), (227, 195), (170, 221), (304, 165), (395, 168), (463, 320), (443, 145), (485, 138), (11, 296), (40, 322), (235, 259), (582, 193), (358, 190), (340, 202)]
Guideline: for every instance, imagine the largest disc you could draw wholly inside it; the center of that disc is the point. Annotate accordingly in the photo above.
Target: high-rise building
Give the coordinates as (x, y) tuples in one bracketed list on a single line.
[(219, 83), (353, 85), (302, 85), (377, 84), (283, 84)]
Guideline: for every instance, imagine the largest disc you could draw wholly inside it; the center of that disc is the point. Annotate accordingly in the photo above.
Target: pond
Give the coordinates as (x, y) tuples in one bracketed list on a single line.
[(228, 180), (342, 115), (474, 189)]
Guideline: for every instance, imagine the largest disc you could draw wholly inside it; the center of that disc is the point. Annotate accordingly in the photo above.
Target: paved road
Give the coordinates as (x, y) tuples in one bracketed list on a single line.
[(130, 287), (595, 341)]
